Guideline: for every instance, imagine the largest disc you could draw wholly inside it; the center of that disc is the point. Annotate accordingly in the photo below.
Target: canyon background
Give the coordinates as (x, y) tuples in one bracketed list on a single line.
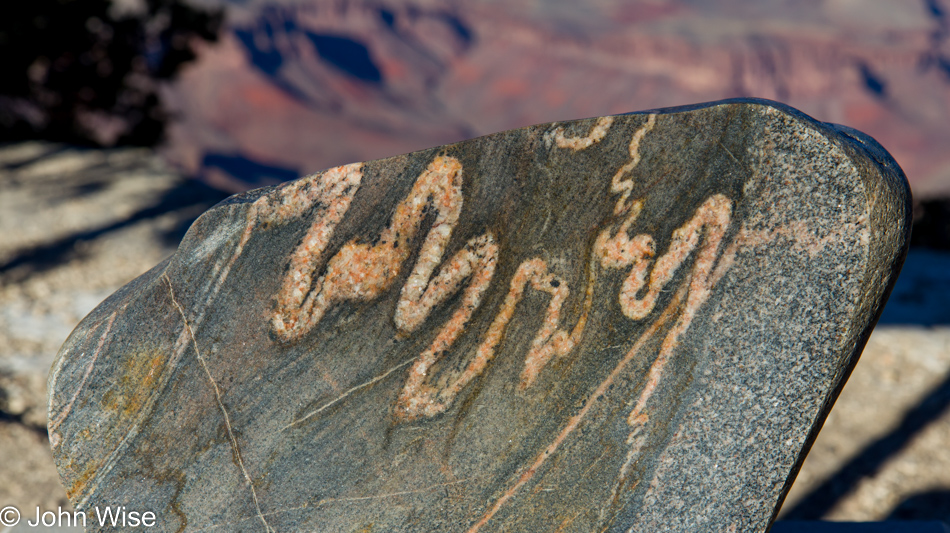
[(291, 87)]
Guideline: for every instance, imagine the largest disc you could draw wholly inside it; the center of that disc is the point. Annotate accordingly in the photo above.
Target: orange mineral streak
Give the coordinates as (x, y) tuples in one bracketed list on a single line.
[(361, 271), (714, 214), (597, 134), (620, 185), (333, 191), (338, 185), (616, 251), (419, 399), (575, 421), (477, 261), (552, 341)]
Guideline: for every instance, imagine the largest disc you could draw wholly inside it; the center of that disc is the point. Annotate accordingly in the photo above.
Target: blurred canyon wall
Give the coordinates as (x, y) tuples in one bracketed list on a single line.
[(293, 87)]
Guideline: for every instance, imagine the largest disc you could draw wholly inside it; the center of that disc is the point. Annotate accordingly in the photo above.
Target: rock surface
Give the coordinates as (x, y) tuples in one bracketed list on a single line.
[(883, 448), (624, 323), (75, 224)]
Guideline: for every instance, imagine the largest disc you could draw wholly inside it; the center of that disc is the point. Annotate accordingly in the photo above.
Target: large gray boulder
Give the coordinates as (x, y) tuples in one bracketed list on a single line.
[(628, 323)]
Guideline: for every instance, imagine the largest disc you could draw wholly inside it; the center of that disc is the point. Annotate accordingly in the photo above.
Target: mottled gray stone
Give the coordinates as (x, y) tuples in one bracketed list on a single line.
[(634, 323)]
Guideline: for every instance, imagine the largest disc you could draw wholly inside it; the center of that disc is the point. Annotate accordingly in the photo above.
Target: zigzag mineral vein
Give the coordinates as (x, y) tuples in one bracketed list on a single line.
[(458, 432), (618, 250), (363, 271)]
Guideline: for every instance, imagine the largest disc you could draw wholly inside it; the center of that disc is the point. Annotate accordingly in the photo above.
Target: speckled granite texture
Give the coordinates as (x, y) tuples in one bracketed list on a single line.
[(630, 323)]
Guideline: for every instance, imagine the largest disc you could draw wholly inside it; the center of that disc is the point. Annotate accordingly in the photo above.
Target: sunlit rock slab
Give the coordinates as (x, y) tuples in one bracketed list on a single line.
[(628, 323)]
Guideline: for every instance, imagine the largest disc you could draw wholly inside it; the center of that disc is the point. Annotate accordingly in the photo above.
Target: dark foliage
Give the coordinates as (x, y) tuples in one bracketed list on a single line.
[(82, 71)]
